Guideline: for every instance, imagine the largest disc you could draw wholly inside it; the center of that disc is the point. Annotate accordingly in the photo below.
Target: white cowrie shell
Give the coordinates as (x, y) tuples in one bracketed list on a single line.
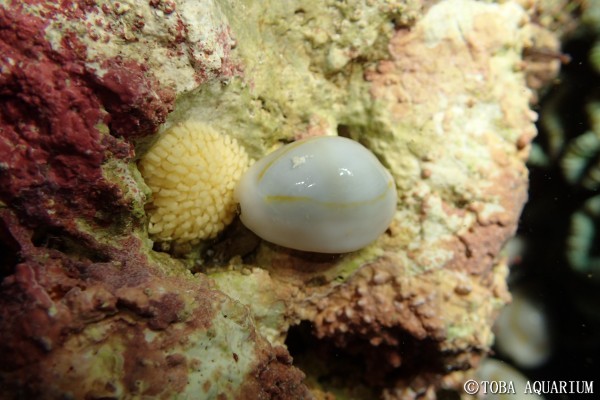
[(324, 194)]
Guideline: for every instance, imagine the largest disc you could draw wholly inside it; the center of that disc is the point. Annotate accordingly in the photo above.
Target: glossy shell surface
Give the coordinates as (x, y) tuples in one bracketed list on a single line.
[(325, 194)]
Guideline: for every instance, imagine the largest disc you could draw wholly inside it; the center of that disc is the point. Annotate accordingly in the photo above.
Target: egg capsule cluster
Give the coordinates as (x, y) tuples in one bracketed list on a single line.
[(192, 171)]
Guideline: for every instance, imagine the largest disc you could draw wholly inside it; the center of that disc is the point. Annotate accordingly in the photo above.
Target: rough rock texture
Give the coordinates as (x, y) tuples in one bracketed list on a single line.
[(120, 327), (447, 110), (65, 124), (87, 308)]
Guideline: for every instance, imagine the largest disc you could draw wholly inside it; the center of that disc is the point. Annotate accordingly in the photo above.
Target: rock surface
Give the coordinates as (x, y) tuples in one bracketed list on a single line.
[(88, 309)]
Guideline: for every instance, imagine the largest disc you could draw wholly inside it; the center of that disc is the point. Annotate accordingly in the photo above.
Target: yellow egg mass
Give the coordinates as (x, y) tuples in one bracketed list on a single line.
[(192, 171)]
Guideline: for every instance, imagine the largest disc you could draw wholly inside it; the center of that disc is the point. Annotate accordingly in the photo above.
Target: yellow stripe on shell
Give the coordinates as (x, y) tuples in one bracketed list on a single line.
[(294, 199), (288, 148)]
